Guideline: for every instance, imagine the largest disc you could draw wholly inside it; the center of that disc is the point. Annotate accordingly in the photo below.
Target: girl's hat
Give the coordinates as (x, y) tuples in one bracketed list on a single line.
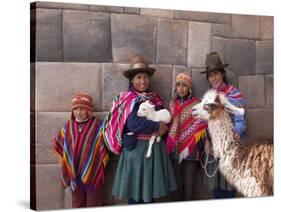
[(214, 62), (138, 65), (83, 100), (183, 77)]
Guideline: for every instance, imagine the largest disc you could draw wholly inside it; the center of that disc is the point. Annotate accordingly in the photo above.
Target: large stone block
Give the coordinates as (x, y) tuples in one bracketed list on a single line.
[(204, 17), (176, 71), (259, 123), (269, 92), (160, 13), (86, 36), (199, 83), (108, 9), (231, 78), (218, 45), (264, 57), (60, 5), (133, 34), (47, 128), (57, 83), (161, 82), (132, 10), (245, 26), (32, 87), (113, 82), (267, 27), (199, 43), (49, 194), (241, 56), (222, 30), (252, 88), (49, 38), (172, 42)]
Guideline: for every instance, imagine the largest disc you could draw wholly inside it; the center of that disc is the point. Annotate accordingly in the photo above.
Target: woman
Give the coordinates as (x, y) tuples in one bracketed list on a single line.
[(186, 137), (216, 76), (138, 179)]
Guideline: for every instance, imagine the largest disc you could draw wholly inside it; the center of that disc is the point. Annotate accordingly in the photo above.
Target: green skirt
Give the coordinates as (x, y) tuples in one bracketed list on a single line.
[(144, 179)]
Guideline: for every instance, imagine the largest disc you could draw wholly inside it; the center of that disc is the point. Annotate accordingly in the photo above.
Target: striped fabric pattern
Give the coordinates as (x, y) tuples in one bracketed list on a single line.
[(185, 131), (233, 94), (83, 155), (115, 121)]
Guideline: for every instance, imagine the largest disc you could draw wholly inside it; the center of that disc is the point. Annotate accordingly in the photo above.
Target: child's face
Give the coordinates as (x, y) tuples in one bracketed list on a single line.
[(181, 89), (80, 113)]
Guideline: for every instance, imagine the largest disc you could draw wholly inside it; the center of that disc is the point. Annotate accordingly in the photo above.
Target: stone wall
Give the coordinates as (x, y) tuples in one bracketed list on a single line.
[(77, 47)]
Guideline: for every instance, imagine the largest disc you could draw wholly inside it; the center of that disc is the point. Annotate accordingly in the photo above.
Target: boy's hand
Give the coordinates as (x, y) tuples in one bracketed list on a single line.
[(163, 129)]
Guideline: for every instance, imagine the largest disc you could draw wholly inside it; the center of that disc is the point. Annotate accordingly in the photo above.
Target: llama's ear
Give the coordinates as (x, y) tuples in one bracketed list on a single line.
[(217, 99)]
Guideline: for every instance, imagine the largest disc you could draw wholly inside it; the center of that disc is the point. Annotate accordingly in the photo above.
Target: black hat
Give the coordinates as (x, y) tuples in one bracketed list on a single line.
[(138, 65), (213, 62)]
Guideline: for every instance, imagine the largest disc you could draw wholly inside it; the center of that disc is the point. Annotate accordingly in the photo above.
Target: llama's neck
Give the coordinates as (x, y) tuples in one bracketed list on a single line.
[(221, 131)]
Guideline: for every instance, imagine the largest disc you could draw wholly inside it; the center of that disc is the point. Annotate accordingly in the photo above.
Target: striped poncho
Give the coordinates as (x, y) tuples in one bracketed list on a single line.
[(185, 131), (83, 154), (115, 121)]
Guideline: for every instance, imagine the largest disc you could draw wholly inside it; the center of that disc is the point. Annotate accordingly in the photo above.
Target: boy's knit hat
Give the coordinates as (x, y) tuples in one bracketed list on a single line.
[(183, 77), (83, 100)]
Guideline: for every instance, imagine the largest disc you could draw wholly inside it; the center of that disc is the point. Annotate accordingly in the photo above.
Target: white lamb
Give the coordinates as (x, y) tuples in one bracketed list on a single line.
[(147, 110)]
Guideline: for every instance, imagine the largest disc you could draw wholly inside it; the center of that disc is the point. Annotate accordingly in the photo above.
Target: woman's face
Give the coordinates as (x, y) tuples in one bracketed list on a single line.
[(181, 89), (215, 78), (140, 82)]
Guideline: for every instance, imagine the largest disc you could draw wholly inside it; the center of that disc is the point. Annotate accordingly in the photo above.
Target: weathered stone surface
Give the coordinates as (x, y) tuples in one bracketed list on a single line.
[(199, 83), (259, 123), (218, 45), (252, 88), (267, 27), (49, 44), (220, 18), (113, 82), (176, 71), (57, 83), (60, 5), (172, 42), (245, 26), (67, 198), (86, 36), (199, 43), (47, 128), (32, 87), (161, 13), (264, 57), (240, 55), (108, 9), (132, 10), (49, 194), (133, 34), (161, 82), (222, 30), (269, 84)]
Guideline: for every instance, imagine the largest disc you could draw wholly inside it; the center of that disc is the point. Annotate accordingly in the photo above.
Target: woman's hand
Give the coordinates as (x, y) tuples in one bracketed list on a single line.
[(207, 147), (163, 129)]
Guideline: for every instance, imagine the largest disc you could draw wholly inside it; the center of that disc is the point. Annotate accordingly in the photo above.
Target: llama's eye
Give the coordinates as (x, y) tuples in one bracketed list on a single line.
[(210, 106)]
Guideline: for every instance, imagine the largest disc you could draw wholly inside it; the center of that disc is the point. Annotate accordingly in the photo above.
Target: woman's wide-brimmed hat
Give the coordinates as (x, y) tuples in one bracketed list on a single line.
[(138, 65), (213, 62)]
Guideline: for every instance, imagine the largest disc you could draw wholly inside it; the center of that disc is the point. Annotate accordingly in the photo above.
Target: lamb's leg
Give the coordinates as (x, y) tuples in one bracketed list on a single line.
[(149, 151), (158, 139)]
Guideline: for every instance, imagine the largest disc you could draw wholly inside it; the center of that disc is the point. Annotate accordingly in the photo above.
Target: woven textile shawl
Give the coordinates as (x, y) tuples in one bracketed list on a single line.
[(83, 155), (115, 121), (185, 131)]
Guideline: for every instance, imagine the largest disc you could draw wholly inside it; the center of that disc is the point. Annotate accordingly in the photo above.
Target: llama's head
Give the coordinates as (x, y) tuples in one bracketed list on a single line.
[(212, 105), (146, 108)]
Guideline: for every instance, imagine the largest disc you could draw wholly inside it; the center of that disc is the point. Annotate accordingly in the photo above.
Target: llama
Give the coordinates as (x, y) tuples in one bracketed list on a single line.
[(147, 110), (247, 166)]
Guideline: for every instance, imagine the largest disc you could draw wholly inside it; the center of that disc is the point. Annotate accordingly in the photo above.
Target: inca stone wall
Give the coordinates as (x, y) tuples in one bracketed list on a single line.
[(77, 47)]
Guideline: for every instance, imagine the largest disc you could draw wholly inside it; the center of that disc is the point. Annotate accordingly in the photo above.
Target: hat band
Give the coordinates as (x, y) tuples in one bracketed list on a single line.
[(215, 66), (139, 65)]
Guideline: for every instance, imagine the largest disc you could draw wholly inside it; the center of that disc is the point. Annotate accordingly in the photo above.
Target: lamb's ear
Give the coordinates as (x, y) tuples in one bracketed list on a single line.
[(217, 99)]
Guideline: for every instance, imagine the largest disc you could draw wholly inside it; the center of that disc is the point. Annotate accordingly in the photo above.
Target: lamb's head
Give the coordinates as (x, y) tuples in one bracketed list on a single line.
[(145, 109), (212, 105)]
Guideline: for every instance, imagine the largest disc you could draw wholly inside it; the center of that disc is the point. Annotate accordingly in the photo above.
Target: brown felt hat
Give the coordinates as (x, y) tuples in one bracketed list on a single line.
[(138, 65), (213, 62)]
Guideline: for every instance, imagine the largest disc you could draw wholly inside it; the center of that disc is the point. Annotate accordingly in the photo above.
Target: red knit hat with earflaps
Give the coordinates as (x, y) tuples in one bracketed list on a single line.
[(83, 100)]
